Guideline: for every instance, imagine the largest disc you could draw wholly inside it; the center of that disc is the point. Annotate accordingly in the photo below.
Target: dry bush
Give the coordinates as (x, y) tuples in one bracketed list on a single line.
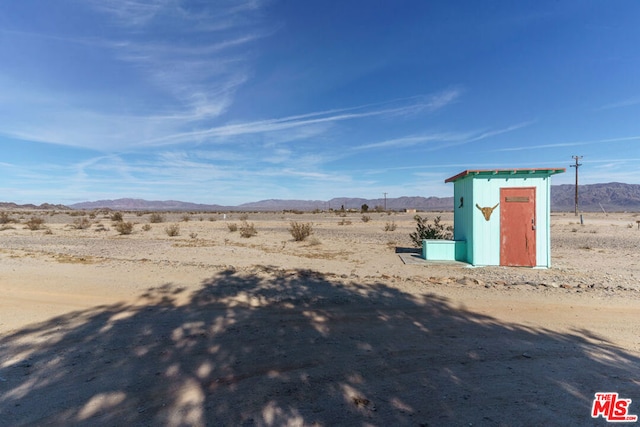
[(247, 230), (35, 223), (390, 226), (146, 227), (232, 226), (244, 217), (300, 231), (172, 230), (5, 218), (314, 241), (156, 218), (101, 227), (81, 223), (366, 218), (124, 227), (186, 217), (344, 222), (193, 235), (116, 216)]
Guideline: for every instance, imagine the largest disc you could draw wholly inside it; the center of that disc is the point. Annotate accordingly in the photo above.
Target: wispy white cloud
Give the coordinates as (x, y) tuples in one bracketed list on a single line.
[(569, 144), (193, 82), (133, 12), (390, 108), (439, 141), (630, 102)]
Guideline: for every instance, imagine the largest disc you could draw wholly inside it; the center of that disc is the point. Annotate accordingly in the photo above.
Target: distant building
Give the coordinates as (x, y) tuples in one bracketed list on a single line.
[(411, 211)]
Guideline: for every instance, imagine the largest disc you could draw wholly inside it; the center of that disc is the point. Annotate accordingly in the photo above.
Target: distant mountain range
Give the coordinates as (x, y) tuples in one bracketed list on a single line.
[(613, 196)]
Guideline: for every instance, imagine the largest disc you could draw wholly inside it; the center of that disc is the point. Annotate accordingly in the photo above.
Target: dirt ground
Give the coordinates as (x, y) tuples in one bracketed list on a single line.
[(211, 328)]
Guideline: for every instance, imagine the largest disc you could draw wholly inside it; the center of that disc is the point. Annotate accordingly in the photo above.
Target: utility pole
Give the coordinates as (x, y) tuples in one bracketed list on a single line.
[(385, 202), (577, 165)]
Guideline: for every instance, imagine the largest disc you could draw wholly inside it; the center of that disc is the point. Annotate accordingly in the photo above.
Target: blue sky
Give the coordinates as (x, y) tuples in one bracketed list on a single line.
[(242, 100)]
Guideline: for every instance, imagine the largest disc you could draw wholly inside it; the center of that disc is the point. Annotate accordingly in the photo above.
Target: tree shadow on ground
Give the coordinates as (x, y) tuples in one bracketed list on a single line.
[(297, 348)]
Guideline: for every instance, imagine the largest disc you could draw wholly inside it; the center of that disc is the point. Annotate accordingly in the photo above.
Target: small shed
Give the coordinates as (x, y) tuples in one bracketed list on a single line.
[(501, 217)]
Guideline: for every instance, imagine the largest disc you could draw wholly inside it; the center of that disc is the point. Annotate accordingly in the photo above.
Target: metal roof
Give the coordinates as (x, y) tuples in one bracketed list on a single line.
[(505, 173)]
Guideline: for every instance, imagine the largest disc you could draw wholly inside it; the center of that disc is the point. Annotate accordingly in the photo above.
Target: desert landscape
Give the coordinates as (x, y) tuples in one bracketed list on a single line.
[(110, 324)]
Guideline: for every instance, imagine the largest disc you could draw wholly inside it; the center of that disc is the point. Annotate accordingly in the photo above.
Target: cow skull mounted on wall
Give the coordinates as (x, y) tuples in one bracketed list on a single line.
[(487, 211)]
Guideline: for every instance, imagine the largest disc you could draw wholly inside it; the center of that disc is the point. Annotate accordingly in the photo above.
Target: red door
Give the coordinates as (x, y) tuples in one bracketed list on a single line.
[(518, 226)]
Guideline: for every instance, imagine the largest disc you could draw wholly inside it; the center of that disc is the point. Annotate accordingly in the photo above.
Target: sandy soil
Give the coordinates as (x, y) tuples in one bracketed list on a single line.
[(210, 328)]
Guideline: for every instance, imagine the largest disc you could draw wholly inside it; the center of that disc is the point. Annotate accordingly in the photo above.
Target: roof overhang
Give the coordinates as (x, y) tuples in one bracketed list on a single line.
[(506, 173)]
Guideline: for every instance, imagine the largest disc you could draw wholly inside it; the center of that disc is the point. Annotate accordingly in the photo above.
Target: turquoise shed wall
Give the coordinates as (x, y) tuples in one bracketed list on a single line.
[(463, 216), (483, 237)]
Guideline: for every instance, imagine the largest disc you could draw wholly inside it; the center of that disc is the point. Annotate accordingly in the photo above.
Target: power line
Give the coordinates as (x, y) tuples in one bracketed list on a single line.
[(577, 165)]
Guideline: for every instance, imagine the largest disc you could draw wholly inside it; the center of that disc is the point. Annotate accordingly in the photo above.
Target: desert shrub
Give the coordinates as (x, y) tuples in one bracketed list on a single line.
[(186, 217), (344, 222), (35, 223), (244, 217), (156, 218), (390, 226), (232, 226), (124, 227), (139, 213), (172, 230), (314, 241), (116, 216), (5, 218), (300, 231), (247, 230), (81, 223), (146, 227), (425, 230), (101, 227), (365, 218), (193, 235)]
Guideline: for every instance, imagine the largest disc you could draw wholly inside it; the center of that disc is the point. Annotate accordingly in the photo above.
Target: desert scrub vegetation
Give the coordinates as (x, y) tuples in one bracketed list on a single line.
[(247, 230), (344, 222), (365, 218), (35, 223), (300, 231), (146, 227), (116, 217), (124, 227), (5, 218), (390, 226), (186, 217), (232, 226), (155, 218), (425, 230), (172, 230), (81, 223)]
